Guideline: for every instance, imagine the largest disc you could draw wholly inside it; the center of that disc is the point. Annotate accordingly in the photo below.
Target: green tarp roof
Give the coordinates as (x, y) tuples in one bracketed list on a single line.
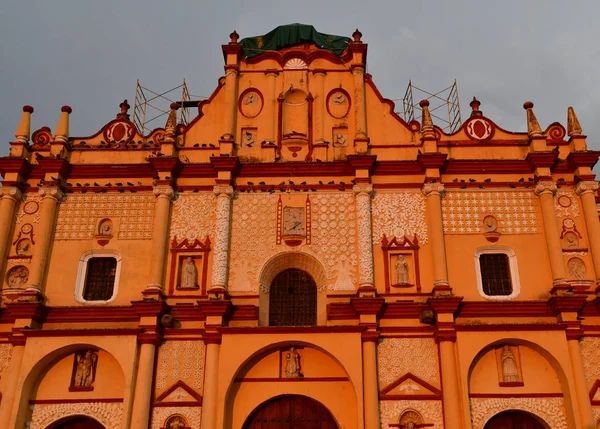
[(290, 35)]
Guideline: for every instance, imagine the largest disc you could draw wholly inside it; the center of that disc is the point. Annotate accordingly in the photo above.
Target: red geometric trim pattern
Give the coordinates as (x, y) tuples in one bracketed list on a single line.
[(159, 401), (385, 396)]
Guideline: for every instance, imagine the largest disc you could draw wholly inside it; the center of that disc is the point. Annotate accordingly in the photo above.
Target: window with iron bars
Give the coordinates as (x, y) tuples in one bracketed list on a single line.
[(293, 299), (495, 274), (100, 279)]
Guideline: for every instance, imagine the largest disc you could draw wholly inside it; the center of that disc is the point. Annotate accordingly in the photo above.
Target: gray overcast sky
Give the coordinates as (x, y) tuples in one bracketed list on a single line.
[(89, 54)]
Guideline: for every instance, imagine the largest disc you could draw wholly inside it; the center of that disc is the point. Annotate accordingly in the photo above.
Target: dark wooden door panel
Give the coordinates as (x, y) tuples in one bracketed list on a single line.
[(513, 420), (291, 412)]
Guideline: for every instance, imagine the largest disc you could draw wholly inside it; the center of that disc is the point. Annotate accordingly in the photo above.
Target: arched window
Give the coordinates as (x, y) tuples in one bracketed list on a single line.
[(293, 299)]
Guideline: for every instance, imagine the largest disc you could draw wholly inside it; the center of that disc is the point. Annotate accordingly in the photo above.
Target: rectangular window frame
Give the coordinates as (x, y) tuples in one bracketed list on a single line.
[(513, 268)]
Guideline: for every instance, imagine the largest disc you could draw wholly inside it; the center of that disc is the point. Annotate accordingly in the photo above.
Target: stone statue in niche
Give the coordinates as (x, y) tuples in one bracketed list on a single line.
[(340, 140), (176, 422), (571, 240), (510, 373), (189, 274), (292, 366), (24, 247), (85, 368), (105, 228), (17, 276), (490, 224), (402, 277), (576, 268)]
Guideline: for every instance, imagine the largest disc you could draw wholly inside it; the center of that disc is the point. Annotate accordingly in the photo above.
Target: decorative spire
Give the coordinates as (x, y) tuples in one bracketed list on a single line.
[(426, 122), (234, 37), (573, 127), (357, 36), (475, 108), (533, 126), (124, 108), (62, 129), (23, 132)]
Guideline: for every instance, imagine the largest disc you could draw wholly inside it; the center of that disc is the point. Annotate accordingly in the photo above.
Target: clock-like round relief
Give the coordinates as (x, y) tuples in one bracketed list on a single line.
[(250, 103), (31, 207), (564, 201), (568, 223), (338, 103), (27, 228)]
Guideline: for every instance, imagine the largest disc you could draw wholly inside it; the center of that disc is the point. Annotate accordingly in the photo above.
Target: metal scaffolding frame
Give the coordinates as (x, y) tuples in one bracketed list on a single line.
[(446, 98), (146, 106)]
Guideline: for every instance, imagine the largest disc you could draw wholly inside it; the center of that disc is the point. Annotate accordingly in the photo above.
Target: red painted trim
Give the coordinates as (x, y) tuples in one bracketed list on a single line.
[(342, 90), (94, 332), (180, 384), (288, 380), (241, 99), (593, 390), (74, 401), (111, 171), (283, 55), (408, 376), (511, 384), (340, 311), (511, 328), (176, 404), (410, 397), (516, 395), (505, 309), (291, 330), (91, 314)]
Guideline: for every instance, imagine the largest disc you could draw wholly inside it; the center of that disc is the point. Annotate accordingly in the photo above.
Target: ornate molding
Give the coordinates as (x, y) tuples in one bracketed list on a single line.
[(399, 214), (11, 192), (363, 189), (390, 412), (161, 414), (163, 191), (549, 409), (394, 360), (5, 356), (180, 360), (223, 190), (545, 187), (433, 189), (108, 414), (193, 217), (586, 186), (222, 228), (363, 194), (52, 192)]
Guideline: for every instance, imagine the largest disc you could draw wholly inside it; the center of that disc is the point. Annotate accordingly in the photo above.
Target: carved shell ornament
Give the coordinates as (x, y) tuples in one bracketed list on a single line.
[(295, 64)]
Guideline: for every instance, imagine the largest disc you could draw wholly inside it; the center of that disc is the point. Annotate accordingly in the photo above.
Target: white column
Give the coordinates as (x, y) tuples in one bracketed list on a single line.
[(222, 226), (363, 192)]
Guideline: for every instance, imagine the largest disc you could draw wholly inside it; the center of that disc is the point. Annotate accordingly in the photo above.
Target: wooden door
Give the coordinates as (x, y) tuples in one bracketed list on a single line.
[(79, 423), (291, 412), (513, 420)]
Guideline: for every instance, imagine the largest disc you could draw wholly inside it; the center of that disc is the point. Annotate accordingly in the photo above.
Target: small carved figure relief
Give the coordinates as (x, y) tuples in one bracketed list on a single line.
[(410, 419), (292, 366), (251, 99), (571, 240), (85, 368), (490, 224), (17, 276), (409, 387), (176, 422), (510, 373), (189, 274), (338, 98), (340, 140), (577, 268), (249, 139), (24, 247), (105, 228), (402, 277)]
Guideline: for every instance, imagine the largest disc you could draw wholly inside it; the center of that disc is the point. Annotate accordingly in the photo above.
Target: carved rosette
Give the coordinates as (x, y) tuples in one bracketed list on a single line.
[(363, 194), (433, 189), (108, 414), (164, 192), (11, 192), (52, 192), (545, 187), (222, 227), (585, 187)]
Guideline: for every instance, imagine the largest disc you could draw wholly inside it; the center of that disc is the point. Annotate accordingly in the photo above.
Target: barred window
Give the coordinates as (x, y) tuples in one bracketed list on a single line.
[(293, 299), (495, 274), (100, 279)]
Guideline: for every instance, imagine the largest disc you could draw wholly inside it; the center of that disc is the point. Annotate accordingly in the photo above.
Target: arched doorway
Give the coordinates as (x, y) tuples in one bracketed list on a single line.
[(293, 299), (77, 423), (513, 420), (291, 412)]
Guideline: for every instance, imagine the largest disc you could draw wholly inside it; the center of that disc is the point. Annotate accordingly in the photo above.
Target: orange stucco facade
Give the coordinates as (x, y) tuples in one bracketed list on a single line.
[(297, 162)]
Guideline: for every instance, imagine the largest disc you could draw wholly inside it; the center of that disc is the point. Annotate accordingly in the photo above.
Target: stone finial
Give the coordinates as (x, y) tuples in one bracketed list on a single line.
[(171, 124), (124, 108), (234, 36), (62, 128), (475, 108), (357, 36), (23, 132), (533, 126), (426, 121), (573, 127)]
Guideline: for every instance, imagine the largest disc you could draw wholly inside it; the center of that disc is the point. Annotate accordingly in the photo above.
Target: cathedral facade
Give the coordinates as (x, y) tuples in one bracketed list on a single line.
[(299, 256)]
